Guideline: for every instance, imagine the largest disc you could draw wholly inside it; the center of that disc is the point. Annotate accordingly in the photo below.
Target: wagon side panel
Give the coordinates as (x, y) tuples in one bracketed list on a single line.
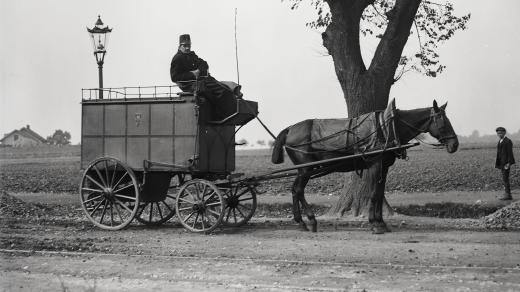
[(133, 131), (91, 133)]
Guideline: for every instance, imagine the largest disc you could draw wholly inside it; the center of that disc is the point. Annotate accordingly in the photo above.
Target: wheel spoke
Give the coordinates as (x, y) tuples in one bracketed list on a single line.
[(99, 175), (204, 192), (238, 209), (242, 193), (244, 206), (188, 201), (123, 205), (142, 209), (151, 213), (235, 215), (159, 210), (118, 213), (212, 194), (202, 220), (171, 197), (246, 199), (92, 199), (106, 172), (111, 214), (214, 213), (113, 174), (92, 180), (92, 190), (120, 180), (228, 213), (191, 194), (185, 208), (123, 188), (167, 206), (195, 221), (189, 216), (125, 197), (197, 188), (104, 211), (213, 204), (97, 207)]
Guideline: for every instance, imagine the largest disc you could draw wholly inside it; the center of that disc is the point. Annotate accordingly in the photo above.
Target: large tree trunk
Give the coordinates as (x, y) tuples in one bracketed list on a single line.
[(364, 90)]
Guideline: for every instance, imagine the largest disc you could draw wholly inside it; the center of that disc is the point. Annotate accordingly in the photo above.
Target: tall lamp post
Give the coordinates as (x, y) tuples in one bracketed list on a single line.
[(99, 36)]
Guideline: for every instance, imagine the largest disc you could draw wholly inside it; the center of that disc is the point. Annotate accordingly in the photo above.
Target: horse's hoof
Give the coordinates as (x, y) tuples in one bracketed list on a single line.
[(378, 230), (304, 227)]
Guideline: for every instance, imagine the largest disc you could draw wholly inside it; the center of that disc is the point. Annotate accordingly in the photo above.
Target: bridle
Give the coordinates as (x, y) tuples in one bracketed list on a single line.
[(437, 118)]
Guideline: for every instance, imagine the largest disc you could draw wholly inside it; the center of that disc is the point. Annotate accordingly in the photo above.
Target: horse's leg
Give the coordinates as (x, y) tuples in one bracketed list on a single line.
[(371, 172), (381, 190), (376, 204), (305, 205), (296, 202)]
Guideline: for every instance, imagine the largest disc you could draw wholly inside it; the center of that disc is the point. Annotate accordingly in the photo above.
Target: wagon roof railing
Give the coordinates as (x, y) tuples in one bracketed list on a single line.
[(133, 92)]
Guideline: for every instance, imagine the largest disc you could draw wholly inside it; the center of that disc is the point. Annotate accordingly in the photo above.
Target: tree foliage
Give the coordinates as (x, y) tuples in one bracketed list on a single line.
[(59, 137), (434, 23)]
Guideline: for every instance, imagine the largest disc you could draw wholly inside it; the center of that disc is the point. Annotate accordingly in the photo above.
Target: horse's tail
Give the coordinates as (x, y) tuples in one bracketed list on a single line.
[(277, 156)]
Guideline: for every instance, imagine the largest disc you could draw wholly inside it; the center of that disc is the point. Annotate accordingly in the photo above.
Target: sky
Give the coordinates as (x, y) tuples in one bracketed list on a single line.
[(46, 59)]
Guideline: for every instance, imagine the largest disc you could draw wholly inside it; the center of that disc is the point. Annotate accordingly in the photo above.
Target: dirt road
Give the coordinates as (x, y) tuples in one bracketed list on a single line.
[(269, 255)]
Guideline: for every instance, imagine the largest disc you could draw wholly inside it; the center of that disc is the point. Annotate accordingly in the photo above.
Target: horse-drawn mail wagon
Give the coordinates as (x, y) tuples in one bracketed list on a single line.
[(150, 153)]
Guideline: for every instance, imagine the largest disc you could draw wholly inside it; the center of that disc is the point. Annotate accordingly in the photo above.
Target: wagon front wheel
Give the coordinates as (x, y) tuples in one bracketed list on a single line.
[(109, 193), (200, 206)]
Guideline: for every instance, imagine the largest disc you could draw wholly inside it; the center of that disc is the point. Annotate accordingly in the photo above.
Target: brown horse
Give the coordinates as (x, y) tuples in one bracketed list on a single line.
[(302, 149)]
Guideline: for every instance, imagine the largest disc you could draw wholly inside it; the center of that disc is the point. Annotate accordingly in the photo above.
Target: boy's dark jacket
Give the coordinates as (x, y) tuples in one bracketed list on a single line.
[(504, 153)]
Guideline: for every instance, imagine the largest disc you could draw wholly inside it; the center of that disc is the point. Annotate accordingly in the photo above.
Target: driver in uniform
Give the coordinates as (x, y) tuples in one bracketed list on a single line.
[(186, 68)]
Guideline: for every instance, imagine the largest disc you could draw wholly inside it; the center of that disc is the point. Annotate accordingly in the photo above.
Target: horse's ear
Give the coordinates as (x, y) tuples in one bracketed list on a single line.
[(443, 107), (435, 106)]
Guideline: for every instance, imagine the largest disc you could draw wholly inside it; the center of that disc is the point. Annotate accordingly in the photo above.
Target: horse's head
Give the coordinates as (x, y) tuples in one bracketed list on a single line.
[(440, 128)]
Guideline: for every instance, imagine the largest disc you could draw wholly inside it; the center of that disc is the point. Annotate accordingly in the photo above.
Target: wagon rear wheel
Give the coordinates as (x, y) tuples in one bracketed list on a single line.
[(200, 206), (157, 213), (109, 193), (240, 205)]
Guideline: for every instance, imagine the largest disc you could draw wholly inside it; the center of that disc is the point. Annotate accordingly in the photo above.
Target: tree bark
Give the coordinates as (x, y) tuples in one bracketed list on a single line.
[(364, 90)]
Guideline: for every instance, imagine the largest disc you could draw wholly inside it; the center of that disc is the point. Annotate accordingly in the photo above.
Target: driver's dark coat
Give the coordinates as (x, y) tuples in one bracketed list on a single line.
[(183, 63)]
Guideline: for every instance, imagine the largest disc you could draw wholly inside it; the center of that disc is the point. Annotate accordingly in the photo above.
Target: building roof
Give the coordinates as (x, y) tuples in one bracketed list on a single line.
[(26, 132)]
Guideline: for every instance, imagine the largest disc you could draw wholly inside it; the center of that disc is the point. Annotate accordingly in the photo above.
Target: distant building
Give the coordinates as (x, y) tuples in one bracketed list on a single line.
[(23, 137)]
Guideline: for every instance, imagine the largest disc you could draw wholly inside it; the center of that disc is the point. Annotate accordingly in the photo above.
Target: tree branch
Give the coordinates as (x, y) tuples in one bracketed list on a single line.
[(390, 48), (341, 38)]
